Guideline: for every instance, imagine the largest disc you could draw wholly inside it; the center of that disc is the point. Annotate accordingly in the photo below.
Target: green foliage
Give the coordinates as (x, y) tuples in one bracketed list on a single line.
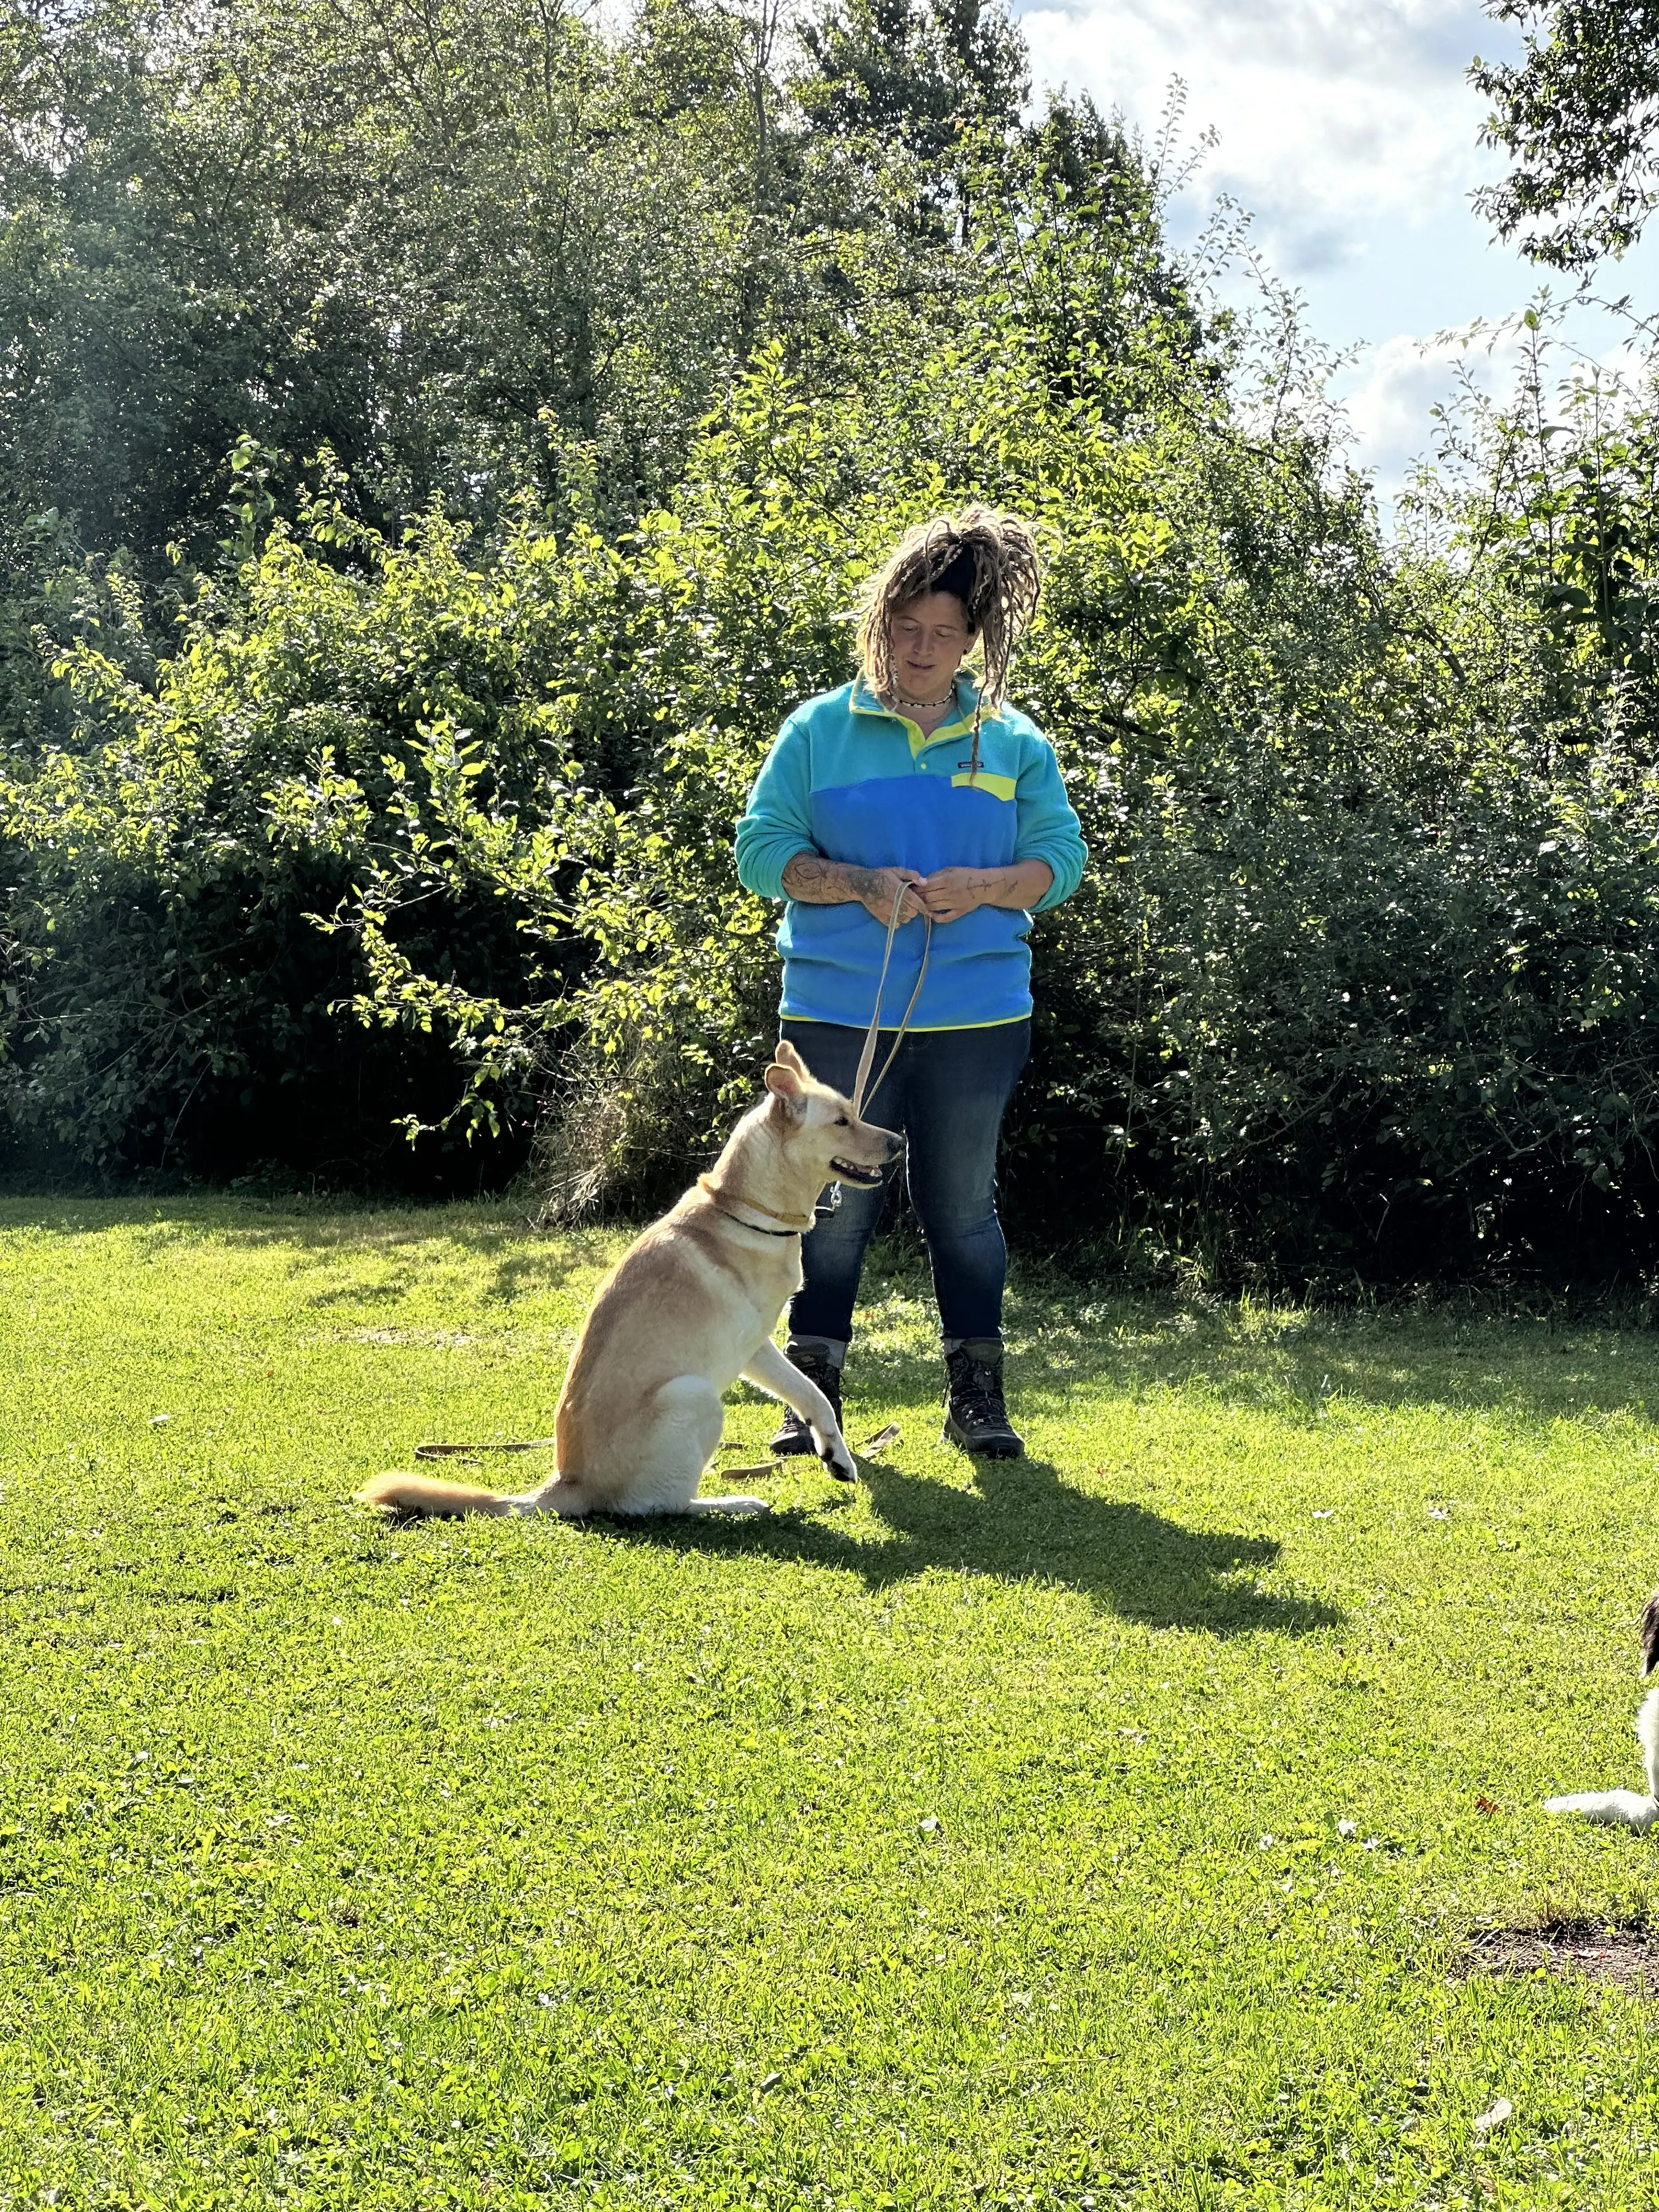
[(1576, 116), (916, 76), (1360, 978), (469, 247), (172, 859)]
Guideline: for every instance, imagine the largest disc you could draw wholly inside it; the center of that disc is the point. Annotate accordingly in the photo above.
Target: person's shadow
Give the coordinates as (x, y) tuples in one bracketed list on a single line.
[(1022, 1522)]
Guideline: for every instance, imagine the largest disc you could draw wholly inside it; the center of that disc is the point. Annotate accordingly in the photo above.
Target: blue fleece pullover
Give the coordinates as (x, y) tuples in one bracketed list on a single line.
[(850, 779)]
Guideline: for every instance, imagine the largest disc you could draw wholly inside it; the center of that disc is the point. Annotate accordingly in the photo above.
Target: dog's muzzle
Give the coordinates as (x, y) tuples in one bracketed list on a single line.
[(862, 1178)]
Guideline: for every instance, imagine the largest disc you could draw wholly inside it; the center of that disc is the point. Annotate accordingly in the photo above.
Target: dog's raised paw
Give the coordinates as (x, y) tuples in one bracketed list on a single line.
[(840, 1461)]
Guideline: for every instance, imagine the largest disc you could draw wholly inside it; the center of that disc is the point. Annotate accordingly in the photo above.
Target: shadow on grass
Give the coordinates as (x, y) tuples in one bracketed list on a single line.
[(1024, 1523), (1460, 1358)]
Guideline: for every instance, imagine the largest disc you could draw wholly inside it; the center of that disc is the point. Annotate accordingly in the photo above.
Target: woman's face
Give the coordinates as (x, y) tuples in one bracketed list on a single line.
[(929, 637)]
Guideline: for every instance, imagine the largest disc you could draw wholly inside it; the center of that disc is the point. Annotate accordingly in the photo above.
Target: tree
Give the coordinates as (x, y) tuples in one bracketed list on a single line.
[(1577, 115), (911, 73), (463, 243)]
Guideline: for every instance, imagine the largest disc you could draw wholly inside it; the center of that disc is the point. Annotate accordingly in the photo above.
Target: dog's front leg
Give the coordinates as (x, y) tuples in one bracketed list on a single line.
[(770, 1371)]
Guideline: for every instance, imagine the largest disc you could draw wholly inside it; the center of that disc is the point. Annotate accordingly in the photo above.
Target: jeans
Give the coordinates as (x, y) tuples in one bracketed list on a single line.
[(945, 1093)]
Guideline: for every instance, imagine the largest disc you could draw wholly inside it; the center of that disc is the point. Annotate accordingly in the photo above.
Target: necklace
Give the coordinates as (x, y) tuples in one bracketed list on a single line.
[(925, 705)]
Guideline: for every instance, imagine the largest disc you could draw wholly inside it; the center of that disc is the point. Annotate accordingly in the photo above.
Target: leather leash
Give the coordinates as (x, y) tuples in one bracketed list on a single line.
[(454, 1451), (871, 1035)]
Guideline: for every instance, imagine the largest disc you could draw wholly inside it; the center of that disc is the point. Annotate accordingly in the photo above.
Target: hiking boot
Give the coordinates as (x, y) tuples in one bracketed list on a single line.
[(975, 1415), (815, 1364)]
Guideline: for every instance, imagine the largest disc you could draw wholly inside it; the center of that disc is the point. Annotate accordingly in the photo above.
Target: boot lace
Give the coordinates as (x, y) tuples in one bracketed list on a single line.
[(976, 1390)]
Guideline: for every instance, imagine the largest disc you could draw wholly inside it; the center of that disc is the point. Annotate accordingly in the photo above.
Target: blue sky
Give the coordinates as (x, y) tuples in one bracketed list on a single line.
[(1351, 134)]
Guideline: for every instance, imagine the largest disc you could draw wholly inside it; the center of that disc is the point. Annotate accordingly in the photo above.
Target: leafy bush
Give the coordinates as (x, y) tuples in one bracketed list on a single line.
[(174, 863)]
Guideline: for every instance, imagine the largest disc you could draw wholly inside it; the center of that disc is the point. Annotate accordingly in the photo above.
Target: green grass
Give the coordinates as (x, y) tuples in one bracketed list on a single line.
[(972, 1838)]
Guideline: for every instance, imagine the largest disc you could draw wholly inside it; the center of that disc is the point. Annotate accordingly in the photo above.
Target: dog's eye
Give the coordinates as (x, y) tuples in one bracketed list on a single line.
[(841, 1122)]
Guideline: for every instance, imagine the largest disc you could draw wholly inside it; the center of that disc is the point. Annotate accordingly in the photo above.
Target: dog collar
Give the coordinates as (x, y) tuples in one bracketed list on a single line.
[(739, 1209)]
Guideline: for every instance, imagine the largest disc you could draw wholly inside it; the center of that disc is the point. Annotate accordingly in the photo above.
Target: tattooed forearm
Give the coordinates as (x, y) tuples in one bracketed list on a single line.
[(817, 882), (1021, 884)]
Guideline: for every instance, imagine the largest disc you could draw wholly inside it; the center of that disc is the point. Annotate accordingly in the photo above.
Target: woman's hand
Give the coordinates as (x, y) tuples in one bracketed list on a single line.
[(949, 893), (882, 890), (945, 895)]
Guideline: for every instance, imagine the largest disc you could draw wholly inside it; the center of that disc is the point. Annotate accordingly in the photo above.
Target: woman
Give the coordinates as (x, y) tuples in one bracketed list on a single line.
[(914, 778)]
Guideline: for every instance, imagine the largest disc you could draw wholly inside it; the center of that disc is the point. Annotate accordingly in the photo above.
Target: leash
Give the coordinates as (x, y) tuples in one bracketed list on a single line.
[(871, 1035), (452, 1451)]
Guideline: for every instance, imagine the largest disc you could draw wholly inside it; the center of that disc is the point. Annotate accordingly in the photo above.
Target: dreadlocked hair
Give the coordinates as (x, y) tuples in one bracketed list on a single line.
[(989, 560)]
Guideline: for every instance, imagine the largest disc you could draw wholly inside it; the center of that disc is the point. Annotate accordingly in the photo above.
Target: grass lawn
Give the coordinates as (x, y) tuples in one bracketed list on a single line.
[(972, 1838)]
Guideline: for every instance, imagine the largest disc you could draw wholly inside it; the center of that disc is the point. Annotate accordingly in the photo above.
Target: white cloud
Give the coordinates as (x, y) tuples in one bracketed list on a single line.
[(1351, 134), (1333, 119), (1391, 393)]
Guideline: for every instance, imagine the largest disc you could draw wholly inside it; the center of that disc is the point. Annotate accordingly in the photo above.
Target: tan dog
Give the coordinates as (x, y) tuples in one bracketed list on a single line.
[(688, 1309)]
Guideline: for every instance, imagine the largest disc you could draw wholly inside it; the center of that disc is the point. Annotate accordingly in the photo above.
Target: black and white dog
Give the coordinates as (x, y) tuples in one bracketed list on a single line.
[(1630, 1806)]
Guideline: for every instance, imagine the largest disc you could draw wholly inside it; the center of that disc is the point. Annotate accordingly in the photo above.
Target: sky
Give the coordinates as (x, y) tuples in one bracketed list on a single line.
[(1350, 133)]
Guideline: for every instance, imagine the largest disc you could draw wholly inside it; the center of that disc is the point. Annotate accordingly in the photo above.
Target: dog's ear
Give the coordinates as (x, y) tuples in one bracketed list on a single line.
[(1650, 1635), (788, 1091), (786, 1056)]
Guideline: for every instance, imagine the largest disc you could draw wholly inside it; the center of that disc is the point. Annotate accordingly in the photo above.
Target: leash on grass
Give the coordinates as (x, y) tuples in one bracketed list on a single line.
[(865, 1057), (458, 1451)]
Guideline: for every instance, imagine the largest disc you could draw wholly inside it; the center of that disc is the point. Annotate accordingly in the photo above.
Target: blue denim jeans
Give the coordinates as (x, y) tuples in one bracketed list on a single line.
[(945, 1094)]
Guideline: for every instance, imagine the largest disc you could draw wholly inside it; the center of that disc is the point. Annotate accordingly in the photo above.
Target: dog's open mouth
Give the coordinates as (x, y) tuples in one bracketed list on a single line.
[(849, 1171)]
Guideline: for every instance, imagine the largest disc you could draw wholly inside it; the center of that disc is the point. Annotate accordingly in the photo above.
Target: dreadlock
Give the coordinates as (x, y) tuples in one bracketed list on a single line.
[(989, 562)]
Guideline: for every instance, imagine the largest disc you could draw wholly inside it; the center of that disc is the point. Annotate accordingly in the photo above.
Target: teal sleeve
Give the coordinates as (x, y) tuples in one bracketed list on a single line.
[(777, 823), (1048, 828)]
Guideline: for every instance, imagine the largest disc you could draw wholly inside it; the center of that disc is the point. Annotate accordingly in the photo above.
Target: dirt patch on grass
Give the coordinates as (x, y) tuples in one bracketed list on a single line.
[(1626, 1958)]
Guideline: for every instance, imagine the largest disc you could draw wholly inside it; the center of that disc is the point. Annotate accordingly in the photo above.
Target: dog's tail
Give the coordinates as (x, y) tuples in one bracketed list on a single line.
[(417, 1497), (1626, 1808)]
